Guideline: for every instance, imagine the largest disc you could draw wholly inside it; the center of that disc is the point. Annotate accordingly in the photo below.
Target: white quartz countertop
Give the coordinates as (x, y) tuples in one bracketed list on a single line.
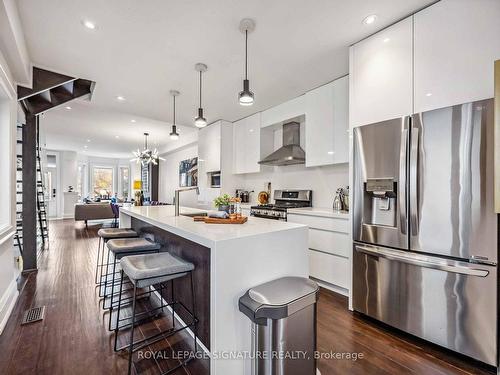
[(206, 234), (318, 211)]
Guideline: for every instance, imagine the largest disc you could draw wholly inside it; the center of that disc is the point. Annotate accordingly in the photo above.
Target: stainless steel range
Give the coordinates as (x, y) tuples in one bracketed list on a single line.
[(283, 200)]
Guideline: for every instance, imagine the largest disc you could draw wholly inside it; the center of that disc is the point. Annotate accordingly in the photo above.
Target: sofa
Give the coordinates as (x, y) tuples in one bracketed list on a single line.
[(93, 211)]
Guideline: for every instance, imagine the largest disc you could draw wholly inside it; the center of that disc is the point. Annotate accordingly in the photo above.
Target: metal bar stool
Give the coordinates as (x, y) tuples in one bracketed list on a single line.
[(118, 248), (145, 271), (106, 234)]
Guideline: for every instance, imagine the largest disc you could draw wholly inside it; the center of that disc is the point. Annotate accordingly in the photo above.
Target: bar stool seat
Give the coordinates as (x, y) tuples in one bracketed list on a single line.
[(150, 269), (122, 246), (110, 233), (147, 270), (106, 234)]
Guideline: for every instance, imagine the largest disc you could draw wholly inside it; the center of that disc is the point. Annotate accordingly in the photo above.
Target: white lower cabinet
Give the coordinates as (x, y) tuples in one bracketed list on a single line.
[(329, 248), (329, 268)]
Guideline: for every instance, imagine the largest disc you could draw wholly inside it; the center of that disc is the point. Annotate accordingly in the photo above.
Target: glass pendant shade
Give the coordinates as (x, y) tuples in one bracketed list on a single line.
[(246, 96), (200, 121), (173, 134)]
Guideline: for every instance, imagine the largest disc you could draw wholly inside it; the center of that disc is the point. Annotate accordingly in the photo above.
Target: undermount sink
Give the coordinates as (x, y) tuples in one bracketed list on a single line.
[(193, 214)]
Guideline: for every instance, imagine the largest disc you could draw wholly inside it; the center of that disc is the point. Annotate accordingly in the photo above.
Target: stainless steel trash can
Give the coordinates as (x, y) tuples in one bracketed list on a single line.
[(283, 313)]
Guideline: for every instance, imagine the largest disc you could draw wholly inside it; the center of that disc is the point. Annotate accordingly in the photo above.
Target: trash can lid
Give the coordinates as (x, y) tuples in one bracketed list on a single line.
[(282, 291), (278, 299)]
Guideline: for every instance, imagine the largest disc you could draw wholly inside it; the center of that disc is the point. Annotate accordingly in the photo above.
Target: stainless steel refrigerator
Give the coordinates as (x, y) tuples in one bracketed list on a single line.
[(425, 229)]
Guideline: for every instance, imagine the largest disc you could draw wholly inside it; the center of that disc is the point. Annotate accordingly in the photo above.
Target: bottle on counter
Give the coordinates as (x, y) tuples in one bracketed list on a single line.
[(237, 207), (232, 209)]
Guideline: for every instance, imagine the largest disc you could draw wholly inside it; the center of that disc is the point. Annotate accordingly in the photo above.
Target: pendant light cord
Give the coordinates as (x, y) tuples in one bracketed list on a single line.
[(145, 142), (246, 54), (174, 110), (200, 88)]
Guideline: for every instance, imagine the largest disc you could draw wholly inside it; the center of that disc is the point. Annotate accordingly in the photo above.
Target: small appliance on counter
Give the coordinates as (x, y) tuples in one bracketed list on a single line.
[(284, 199), (244, 195), (341, 200)]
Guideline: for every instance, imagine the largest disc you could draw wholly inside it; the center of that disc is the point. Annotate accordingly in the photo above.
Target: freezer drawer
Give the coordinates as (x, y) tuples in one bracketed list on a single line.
[(450, 303)]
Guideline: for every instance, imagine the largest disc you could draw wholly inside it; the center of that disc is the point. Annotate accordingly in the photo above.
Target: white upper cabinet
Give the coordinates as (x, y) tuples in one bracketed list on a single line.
[(246, 145), (456, 44), (209, 146), (285, 111), (380, 70), (327, 124)]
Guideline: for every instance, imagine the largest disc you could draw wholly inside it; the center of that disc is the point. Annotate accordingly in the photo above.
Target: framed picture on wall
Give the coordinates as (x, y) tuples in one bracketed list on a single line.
[(188, 172)]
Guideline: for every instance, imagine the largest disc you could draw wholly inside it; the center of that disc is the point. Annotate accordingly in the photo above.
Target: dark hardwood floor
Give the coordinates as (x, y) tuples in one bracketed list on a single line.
[(73, 337)]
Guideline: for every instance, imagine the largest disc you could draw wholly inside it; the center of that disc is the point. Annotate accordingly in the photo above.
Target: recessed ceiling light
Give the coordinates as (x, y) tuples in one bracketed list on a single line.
[(68, 107), (133, 121), (88, 24), (85, 146), (120, 98), (88, 140), (428, 94), (387, 40), (370, 19), (117, 136), (331, 152)]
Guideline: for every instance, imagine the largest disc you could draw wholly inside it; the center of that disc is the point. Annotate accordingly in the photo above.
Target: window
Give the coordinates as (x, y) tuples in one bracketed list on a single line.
[(123, 189), (102, 182)]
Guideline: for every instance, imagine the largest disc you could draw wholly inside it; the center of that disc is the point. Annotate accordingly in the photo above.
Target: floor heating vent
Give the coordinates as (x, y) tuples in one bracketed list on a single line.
[(33, 315)]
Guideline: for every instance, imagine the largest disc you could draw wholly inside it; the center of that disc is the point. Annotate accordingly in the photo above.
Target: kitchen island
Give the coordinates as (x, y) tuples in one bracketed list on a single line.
[(229, 259)]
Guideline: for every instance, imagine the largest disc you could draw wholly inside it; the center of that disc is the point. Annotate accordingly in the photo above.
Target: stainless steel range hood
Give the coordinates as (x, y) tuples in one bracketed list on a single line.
[(291, 152)]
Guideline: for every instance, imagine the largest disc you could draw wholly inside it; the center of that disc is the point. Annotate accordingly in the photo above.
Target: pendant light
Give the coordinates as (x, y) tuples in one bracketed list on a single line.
[(173, 134), (146, 156), (200, 121), (246, 97)]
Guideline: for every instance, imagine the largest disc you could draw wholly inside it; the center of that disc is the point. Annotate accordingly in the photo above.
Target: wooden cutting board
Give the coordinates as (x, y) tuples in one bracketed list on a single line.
[(214, 220)]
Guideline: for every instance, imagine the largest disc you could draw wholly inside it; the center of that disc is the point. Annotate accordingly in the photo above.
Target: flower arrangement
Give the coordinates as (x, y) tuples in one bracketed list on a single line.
[(222, 200)]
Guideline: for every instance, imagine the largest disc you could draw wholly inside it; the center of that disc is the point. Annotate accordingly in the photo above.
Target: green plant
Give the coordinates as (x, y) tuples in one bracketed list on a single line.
[(223, 200)]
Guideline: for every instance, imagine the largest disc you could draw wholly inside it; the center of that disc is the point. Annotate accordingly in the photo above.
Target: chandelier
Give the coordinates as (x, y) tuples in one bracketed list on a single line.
[(146, 156)]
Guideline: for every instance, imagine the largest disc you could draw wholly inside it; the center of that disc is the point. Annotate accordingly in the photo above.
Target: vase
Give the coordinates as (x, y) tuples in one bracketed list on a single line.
[(224, 207)]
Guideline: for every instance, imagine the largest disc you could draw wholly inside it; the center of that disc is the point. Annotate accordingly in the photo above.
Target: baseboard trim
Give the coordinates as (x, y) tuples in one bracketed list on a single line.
[(334, 288), (7, 303)]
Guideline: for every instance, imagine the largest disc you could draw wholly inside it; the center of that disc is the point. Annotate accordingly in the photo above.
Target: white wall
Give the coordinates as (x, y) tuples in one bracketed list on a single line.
[(169, 176), (323, 181), (8, 121)]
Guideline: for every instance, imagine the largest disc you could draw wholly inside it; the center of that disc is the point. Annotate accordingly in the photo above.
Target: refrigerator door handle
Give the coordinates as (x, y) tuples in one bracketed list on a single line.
[(414, 181), (403, 222), (422, 261)]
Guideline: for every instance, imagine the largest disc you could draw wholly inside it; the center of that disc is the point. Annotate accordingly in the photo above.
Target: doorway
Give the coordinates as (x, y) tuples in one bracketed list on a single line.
[(50, 183)]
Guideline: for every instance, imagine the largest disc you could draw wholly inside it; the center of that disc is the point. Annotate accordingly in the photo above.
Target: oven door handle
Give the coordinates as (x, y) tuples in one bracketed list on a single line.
[(422, 261)]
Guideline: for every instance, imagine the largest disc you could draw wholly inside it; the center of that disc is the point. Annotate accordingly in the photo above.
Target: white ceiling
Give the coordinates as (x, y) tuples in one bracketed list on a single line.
[(143, 49), (111, 133)]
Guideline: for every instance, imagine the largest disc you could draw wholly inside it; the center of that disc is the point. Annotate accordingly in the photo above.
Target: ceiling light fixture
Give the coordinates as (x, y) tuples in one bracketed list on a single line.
[(120, 98), (146, 156), (89, 24), (370, 19), (67, 107), (246, 97), (133, 121), (173, 134), (88, 140), (200, 121)]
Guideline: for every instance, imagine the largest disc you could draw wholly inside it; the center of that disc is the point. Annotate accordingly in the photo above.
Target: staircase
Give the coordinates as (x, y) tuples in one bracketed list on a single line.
[(41, 205)]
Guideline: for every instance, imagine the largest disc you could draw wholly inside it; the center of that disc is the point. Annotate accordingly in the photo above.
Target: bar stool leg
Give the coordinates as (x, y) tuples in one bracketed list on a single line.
[(195, 318), (97, 264), (118, 311), (112, 292), (173, 304), (131, 345), (106, 280)]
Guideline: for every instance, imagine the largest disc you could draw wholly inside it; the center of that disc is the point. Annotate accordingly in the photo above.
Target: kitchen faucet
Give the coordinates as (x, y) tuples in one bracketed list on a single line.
[(177, 197)]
